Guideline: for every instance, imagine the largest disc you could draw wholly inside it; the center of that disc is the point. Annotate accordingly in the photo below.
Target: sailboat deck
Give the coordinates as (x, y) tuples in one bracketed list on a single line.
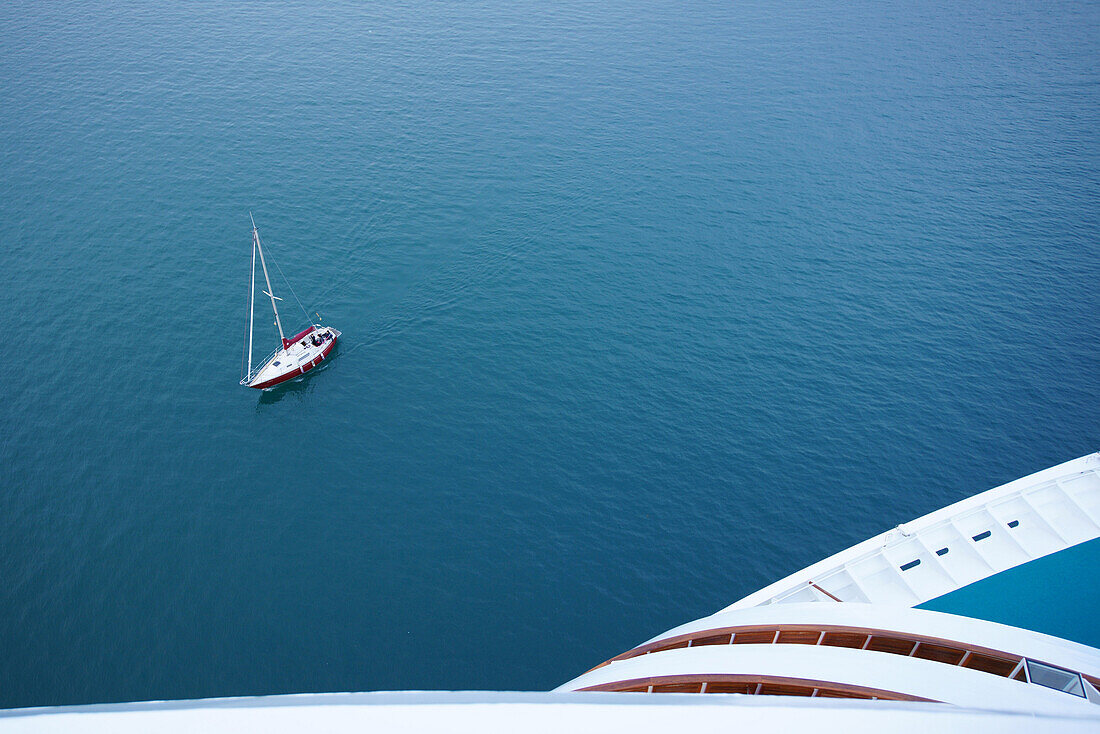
[(297, 359)]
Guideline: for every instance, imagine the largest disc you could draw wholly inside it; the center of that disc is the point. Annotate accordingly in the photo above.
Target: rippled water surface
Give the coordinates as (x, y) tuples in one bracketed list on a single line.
[(644, 306)]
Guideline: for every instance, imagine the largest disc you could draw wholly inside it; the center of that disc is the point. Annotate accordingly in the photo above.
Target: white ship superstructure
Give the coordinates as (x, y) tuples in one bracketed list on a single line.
[(845, 627), (857, 651), (978, 537)]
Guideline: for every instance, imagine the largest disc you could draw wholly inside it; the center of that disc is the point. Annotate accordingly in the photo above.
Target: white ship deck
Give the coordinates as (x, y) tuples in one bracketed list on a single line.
[(480, 711), (1018, 522)]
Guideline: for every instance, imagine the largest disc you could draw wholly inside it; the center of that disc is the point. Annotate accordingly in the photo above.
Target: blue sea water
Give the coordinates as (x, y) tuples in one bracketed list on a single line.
[(645, 305)]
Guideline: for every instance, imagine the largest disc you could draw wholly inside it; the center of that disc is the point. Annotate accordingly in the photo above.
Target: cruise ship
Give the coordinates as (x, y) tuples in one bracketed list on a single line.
[(980, 616)]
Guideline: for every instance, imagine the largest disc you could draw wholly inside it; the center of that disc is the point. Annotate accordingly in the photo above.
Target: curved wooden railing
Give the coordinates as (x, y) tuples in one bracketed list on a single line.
[(935, 649), (759, 685)]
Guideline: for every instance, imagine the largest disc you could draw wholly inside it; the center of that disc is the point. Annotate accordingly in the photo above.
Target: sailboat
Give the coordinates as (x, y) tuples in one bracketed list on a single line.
[(300, 353)]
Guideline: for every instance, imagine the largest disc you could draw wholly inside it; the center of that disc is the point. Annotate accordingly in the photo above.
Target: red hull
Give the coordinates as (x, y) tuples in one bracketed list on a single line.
[(298, 373)]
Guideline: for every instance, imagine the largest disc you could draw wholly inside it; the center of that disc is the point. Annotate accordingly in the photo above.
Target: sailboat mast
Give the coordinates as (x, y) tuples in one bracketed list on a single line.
[(251, 298), (269, 293)]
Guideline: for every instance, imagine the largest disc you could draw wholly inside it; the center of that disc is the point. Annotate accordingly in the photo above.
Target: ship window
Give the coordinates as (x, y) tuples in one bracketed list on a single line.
[(671, 646), (1013, 523), (712, 640), (275, 363), (939, 653), (676, 687), (799, 637), (911, 564), (982, 536), (1056, 678), (990, 664), (724, 687), (831, 693), (895, 645), (755, 637), (777, 689), (844, 639), (941, 552)]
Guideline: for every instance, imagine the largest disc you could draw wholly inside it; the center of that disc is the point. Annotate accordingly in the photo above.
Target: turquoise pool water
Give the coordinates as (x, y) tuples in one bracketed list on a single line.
[(1056, 594)]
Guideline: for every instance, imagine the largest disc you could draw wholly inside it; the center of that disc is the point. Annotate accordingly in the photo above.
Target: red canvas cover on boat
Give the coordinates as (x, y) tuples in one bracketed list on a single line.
[(296, 337)]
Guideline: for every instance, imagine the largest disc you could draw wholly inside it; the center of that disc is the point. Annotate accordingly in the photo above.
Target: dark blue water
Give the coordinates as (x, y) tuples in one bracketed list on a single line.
[(645, 305)]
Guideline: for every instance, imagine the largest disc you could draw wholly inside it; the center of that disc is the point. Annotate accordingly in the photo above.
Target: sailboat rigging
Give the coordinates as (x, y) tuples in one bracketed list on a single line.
[(297, 355)]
